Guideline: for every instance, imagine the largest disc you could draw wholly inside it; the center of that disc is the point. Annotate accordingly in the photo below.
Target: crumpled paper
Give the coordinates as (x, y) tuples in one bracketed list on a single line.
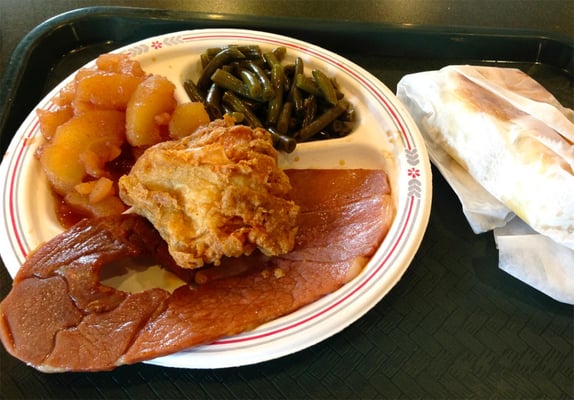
[(525, 254)]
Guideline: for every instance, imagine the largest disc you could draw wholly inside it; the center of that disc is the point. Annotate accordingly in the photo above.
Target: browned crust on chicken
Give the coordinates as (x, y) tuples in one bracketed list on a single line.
[(216, 193)]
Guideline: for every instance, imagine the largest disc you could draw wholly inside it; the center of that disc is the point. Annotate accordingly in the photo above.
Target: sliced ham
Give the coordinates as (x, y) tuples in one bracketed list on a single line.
[(59, 317)]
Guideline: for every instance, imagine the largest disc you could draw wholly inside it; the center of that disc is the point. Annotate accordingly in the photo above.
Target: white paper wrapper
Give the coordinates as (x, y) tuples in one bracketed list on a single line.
[(482, 210), (536, 260), (524, 253)]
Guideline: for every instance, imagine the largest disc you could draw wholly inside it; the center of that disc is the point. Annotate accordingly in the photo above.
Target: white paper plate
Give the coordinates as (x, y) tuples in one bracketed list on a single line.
[(386, 138)]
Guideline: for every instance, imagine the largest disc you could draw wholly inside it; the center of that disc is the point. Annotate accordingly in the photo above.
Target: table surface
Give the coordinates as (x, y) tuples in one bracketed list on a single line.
[(455, 326), (17, 17)]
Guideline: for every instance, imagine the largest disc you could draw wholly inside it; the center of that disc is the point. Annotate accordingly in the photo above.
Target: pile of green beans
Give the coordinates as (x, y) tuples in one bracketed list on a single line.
[(258, 89)]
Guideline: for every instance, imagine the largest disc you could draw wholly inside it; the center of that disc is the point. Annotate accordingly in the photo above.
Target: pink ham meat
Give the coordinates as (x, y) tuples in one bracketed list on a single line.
[(59, 317)]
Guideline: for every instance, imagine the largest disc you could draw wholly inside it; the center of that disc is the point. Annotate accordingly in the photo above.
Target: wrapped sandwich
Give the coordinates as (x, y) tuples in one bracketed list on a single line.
[(508, 133)]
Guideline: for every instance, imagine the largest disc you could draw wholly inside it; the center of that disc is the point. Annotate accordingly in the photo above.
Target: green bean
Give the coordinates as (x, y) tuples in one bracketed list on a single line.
[(192, 91), (284, 119), (310, 107), (237, 105), (213, 102), (326, 86), (289, 70), (308, 85), (212, 51), (276, 102), (349, 116), (287, 81), (267, 87), (254, 105), (252, 52), (341, 128), (322, 121), (223, 57), (228, 81), (340, 94), (228, 110), (282, 142), (279, 52), (256, 87), (295, 94), (271, 59), (204, 60), (252, 83)]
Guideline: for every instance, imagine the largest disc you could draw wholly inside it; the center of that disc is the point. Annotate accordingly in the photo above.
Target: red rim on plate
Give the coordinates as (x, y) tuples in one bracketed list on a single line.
[(386, 138)]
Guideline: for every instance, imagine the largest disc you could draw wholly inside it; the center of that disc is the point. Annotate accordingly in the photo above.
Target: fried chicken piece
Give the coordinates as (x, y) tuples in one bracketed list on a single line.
[(215, 193)]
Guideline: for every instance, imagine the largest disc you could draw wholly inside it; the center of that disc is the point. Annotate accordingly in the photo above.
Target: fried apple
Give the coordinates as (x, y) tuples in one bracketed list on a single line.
[(50, 120), (120, 64), (146, 109), (186, 118), (100, 132), (105, 90)]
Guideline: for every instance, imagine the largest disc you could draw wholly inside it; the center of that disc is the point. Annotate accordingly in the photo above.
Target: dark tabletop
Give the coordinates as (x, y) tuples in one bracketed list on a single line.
[(455, 326)]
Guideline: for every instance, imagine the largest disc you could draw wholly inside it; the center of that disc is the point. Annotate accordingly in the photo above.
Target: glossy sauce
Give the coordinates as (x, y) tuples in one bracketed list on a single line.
[(68, 215)]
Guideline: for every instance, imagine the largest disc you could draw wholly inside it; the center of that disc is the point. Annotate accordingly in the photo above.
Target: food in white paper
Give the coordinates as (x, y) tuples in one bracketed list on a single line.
[(511, 135)]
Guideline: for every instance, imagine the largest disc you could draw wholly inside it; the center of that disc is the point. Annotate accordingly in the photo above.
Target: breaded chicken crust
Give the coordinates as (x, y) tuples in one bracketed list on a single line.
[(216, 193)]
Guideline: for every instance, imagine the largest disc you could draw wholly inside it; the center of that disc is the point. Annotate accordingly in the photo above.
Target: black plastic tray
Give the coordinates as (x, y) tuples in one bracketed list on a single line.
[(59, 46), (454, 326)]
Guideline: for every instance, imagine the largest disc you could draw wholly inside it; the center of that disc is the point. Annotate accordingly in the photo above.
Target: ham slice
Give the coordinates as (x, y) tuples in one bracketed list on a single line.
[(59, 317)]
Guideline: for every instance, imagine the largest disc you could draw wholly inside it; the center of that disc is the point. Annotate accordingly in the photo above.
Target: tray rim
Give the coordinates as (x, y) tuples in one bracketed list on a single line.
[(14, 72), (534, 304)]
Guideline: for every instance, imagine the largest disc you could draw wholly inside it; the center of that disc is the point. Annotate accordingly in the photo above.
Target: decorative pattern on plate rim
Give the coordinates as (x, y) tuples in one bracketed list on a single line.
[(390, 251)]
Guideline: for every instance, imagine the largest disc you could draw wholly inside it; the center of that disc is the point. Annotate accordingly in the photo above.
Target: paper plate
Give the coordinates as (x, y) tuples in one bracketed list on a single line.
[(386, 137)]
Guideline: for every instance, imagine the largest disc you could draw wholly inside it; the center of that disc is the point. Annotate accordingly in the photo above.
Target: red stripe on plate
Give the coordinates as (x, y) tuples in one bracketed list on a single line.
[(358, 76), (335, 304), (12, 189)]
